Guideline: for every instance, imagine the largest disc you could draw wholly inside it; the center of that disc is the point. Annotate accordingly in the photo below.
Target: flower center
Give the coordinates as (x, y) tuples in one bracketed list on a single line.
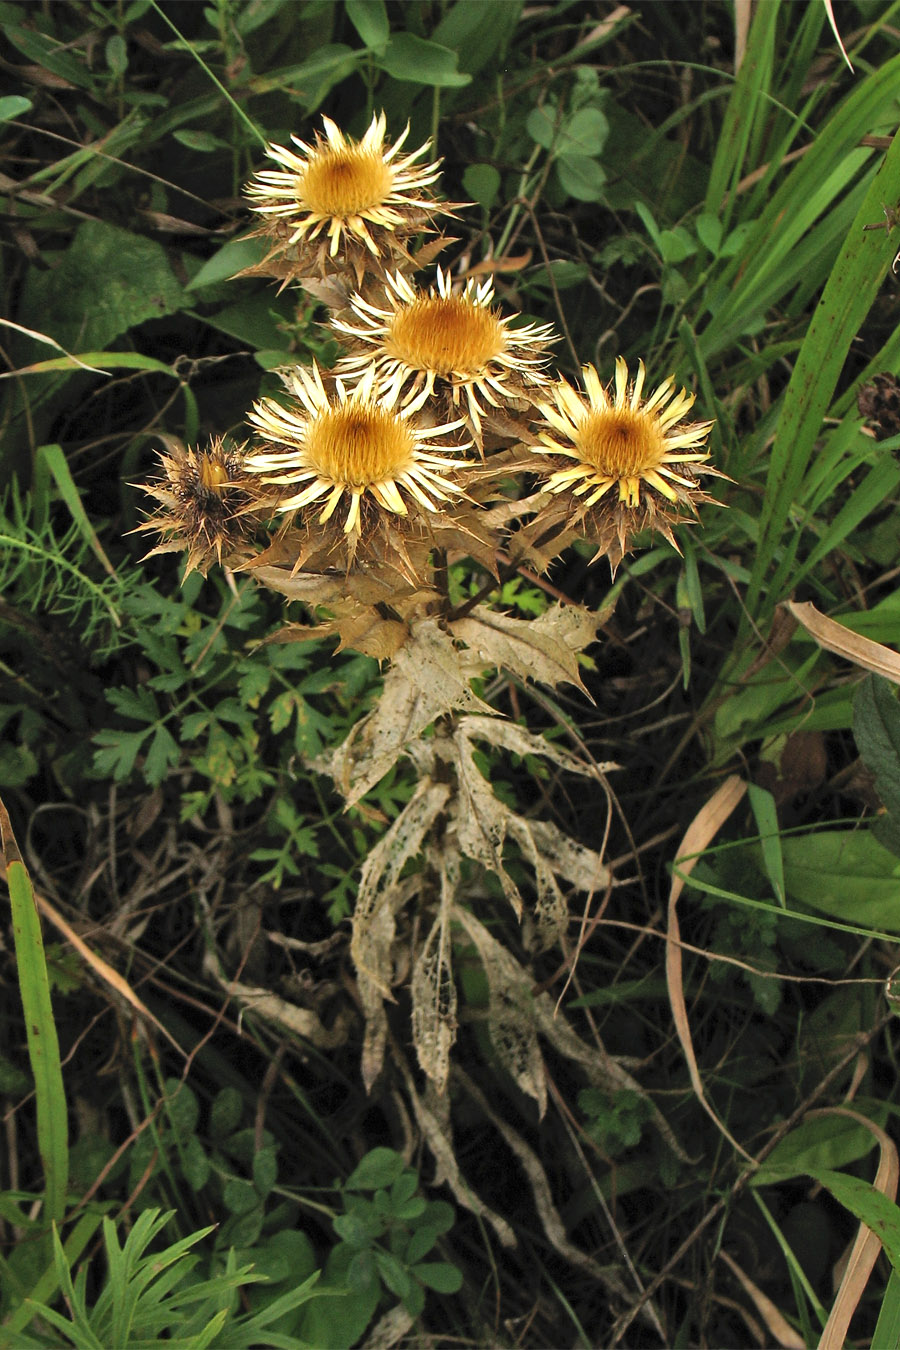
[(621, 442), (213, 474), (358, 446), (344, 182), (445, 334)]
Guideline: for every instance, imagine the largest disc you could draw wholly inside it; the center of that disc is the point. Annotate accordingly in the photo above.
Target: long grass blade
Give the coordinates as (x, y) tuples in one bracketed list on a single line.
[(43, 1043), (851, 288)]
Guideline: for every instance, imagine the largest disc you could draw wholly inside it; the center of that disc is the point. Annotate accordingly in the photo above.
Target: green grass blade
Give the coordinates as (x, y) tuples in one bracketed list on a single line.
[(43, 1044), (887, 1330), (51, 459), (48, 1283), (854, 282), (747, 96)]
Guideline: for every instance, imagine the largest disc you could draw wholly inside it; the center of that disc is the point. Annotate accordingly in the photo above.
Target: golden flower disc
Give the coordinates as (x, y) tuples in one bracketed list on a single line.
[(344, 182), (621, 443), (359, 446), (446, 334)]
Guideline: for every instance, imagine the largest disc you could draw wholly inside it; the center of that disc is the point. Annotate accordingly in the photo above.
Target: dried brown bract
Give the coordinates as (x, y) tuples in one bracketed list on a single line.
[(205, 501)]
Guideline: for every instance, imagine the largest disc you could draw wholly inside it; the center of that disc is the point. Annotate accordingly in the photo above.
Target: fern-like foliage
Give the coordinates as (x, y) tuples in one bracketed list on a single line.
[(48, 571)]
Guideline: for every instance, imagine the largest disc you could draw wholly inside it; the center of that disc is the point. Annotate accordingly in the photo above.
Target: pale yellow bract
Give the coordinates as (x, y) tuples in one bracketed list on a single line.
[(619, 441), (355, 444), (417, 337), (344, 187)]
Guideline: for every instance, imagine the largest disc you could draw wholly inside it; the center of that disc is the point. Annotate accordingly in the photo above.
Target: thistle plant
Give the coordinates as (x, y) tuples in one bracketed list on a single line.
[(439, 436)]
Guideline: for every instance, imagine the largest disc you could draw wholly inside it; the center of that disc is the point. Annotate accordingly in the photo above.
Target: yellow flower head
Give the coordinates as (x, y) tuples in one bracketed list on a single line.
[(417, 338), (348, 195), (633, 461), (359, 446)]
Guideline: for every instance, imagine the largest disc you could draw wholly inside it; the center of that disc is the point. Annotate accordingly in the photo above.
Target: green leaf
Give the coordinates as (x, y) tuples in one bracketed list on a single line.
[(709, 231), (194, 1164), (585, 133), (676, 245), (830, 1141), (872, 1208), (265, 1170), (361, 1271), (380, 1167), (846, 874), (182, 1107), (876, 730), (394, 1275), (14, 105), (417, 61), (766, 815), (482, 184), (439, 1275), (231, 258), (421, 1241), (49, 53), (162, 755), (312, 79), (67, 302), (887, 1329), (204, 141), (353, 1229), (119, 750), (543, 125), (581, 177), (409, 1209), (369, 18), (240, 1196), (477, 31), (43, 1042), (117, 54), (404, 1188)]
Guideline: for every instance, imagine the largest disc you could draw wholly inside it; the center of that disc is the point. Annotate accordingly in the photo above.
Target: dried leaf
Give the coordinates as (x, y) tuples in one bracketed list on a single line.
[(702, 829), (779, 1328), (480, 817), (543, 1195), (390, 1328), (550, 913), (601, 1068), (439, 1138), (837, 638), (544, 649), (433, 990), (510, 736), (299, 1021), (483, 822), (511, 1012), (866, 1246), (379, 900), (428, 678), (582, 867)]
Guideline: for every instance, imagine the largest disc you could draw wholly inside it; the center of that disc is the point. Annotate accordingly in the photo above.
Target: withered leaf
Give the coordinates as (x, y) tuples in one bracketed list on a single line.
[(544, 648), (380, 898), (428, 678), (433, 990), (511, 1014)]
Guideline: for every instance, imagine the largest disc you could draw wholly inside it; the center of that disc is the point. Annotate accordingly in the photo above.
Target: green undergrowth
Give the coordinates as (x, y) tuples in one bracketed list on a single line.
[(192, 1157)]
